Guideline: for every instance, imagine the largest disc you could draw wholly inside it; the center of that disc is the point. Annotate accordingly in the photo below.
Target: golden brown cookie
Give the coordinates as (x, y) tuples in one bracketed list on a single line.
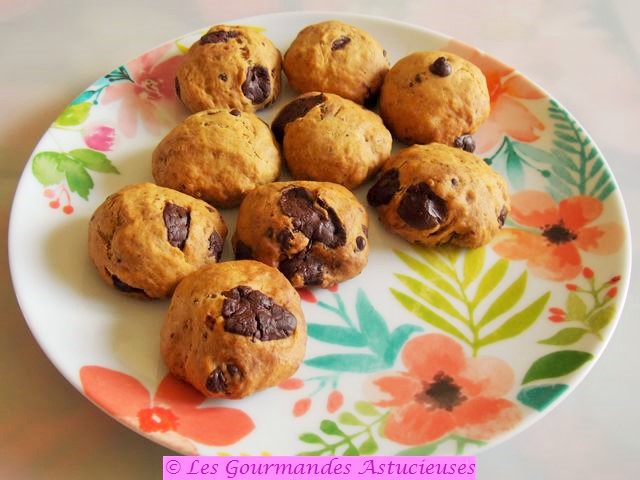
[(313, 232), (434, 97), (230, 67), (218, 156), (144, 239), (234, 328), (330, 139), (435, 194), (337, 58)]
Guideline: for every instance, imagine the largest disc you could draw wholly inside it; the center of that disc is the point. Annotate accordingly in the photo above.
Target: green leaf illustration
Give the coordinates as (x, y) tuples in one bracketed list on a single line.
[(347, 362), (352, 451), (473, 263), (366, 409), (490, 279), (336, 335), (420, 451), (348, 418), (431, 296), (556, 364), (311, 438), (45, 167), (506, 301), (601, 318), (74, 114), (517, 323), (396, 340), (96, 161), (566, 336), (421, 311), (515, 170), (373, 327), (576, 308), (78, 178), (368, 447), (331, 428), (428, 273), (433, 258), (541, 396)]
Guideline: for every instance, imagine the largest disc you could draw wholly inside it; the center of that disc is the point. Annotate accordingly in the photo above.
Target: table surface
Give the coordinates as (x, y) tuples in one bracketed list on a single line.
[(586, 52)]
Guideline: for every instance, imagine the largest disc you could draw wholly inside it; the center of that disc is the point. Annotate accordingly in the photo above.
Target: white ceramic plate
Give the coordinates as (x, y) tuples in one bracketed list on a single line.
[(427, 351)]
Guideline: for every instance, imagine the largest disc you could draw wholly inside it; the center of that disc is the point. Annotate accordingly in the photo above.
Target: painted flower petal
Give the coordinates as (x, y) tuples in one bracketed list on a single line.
[(150, 117), (128, 116), (402, 389), (174, 441), (164, 74), (177, 395), (117, 91), (603, 239), (144, 63), (534, 209), (427, 355), (486, 376), (214, 426), (514, 119), (519, 87), (557, 262), (413, 424), (576, 212), (118, 393), (483, 418), (488, 136), (518, 244)]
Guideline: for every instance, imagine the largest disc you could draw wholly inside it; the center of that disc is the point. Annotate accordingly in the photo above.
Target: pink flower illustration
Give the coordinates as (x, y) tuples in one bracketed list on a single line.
[(99, 137), (150, 96)]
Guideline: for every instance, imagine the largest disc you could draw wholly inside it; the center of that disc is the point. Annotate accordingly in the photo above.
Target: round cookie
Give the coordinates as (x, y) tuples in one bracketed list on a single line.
[(330, 139), (337, 58), (144, 239), (234, 328), (230, 67), (315, 233), (435, 194), (218, 156), (434, 97)]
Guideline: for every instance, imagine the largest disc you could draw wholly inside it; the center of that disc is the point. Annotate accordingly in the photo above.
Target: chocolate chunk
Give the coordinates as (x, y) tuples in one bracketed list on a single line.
[(360, 243), (292, 111), (210, 322), (235, 112), (257, 85), (454, 182), (219, 36), (316, 224), (502, 217), (253, 314), (384, 189), (216, 381), (176, 220), (465, 142), (233, 370), (123, 287), (418, 78), (441, 67), (421, 208), (215, 246), (223, 77), (340, 43), (177, 84), (304, 263), (371, 99), (284, 238), (243, 251)]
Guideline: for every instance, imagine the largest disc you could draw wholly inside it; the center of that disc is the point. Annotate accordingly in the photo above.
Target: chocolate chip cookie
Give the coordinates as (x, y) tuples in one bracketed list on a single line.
[(218, 156), (234, 328), (328, 138), (230, 67), (144, 239), (436, 194), (337, 58), (434, 97), (315, 233)]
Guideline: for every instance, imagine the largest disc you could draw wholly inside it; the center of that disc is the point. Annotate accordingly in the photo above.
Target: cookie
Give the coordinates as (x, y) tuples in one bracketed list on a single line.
[(230, 67), (315, 233), (338, 58), (436, 194), (144, 239), (234, 328), (218, 156), (434, 97), (330, 139)]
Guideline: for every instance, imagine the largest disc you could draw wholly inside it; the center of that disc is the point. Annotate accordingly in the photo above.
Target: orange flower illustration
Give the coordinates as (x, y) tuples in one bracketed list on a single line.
[(506, 87), (563, 230), (150, 94), (444, 392), (173, 417)]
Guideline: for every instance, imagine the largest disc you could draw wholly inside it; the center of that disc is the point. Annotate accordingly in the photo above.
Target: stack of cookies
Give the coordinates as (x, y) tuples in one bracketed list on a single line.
[(237, 327)]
